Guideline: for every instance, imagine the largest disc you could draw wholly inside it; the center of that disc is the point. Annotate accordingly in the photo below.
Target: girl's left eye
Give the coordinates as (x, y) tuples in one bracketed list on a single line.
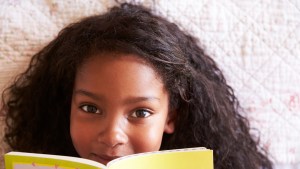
[(141, 113)]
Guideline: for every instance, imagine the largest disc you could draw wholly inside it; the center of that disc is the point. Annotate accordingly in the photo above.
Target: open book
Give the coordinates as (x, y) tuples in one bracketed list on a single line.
[(189, 158)]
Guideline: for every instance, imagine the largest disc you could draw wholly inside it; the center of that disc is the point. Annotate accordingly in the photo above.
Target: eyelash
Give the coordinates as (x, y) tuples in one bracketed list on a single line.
[(144, 110), (86, 107), (95, 110)]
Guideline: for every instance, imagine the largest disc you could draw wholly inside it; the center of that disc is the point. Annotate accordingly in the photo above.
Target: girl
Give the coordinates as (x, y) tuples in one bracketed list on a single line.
[(127, 82)]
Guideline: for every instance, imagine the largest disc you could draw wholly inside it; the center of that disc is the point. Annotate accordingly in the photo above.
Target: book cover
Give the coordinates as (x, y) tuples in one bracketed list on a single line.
[(189, 158)]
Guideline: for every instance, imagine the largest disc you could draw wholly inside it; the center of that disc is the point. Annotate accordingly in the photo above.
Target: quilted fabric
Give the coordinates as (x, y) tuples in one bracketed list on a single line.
[(255, 42)]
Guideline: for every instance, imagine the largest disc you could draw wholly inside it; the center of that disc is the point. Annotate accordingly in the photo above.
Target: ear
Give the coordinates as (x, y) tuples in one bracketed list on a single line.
[(170, 123)]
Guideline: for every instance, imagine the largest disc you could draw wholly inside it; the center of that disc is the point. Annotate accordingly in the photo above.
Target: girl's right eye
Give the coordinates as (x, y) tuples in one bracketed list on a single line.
[(141, 113), (90, 109)]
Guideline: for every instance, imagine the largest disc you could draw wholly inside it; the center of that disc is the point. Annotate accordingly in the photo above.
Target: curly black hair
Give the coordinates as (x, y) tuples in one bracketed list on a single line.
[(37, 104)]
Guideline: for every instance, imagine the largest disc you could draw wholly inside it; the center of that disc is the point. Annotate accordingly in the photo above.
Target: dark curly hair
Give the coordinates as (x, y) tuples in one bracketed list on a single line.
[(37, 104)]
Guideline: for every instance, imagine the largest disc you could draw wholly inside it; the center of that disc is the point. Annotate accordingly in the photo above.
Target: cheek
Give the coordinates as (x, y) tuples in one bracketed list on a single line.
[(81, 135), (148, 139), (77, 136)]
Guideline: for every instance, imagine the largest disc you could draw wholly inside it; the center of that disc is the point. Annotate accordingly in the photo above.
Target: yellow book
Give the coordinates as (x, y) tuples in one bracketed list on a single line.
[(188, 158)]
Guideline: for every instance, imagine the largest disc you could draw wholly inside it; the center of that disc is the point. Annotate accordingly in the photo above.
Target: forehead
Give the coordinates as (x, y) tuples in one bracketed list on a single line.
[(119, 77), (116, 64)]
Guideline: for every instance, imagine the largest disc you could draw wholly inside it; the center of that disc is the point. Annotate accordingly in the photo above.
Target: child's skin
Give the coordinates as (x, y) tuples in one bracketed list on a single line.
[(119, 107)]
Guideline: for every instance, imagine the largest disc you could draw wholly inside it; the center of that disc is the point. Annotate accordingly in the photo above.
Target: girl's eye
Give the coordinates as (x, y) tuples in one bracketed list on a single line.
[(90, 109), (141, 113)]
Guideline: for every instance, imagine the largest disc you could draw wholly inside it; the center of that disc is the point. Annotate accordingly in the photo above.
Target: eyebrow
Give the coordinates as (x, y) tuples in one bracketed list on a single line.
[(129, 100), (89, 94)]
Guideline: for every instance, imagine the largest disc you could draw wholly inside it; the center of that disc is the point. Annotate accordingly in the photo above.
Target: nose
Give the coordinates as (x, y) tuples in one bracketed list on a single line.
[(113, 133)]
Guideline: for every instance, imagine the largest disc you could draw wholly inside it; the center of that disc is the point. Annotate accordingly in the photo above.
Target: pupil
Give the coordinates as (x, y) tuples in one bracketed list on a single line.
[(91, 109), (140, 113)]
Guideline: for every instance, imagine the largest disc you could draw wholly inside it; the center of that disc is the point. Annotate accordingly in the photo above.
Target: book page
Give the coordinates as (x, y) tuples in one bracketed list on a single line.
[(201, 159), (17, 160)]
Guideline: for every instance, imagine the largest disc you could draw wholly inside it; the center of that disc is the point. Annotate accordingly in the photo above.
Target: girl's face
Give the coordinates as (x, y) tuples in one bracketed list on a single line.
[(119, 107)]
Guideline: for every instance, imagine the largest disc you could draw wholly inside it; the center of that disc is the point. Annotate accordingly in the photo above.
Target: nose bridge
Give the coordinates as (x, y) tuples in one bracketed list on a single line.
[(113, 131)]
